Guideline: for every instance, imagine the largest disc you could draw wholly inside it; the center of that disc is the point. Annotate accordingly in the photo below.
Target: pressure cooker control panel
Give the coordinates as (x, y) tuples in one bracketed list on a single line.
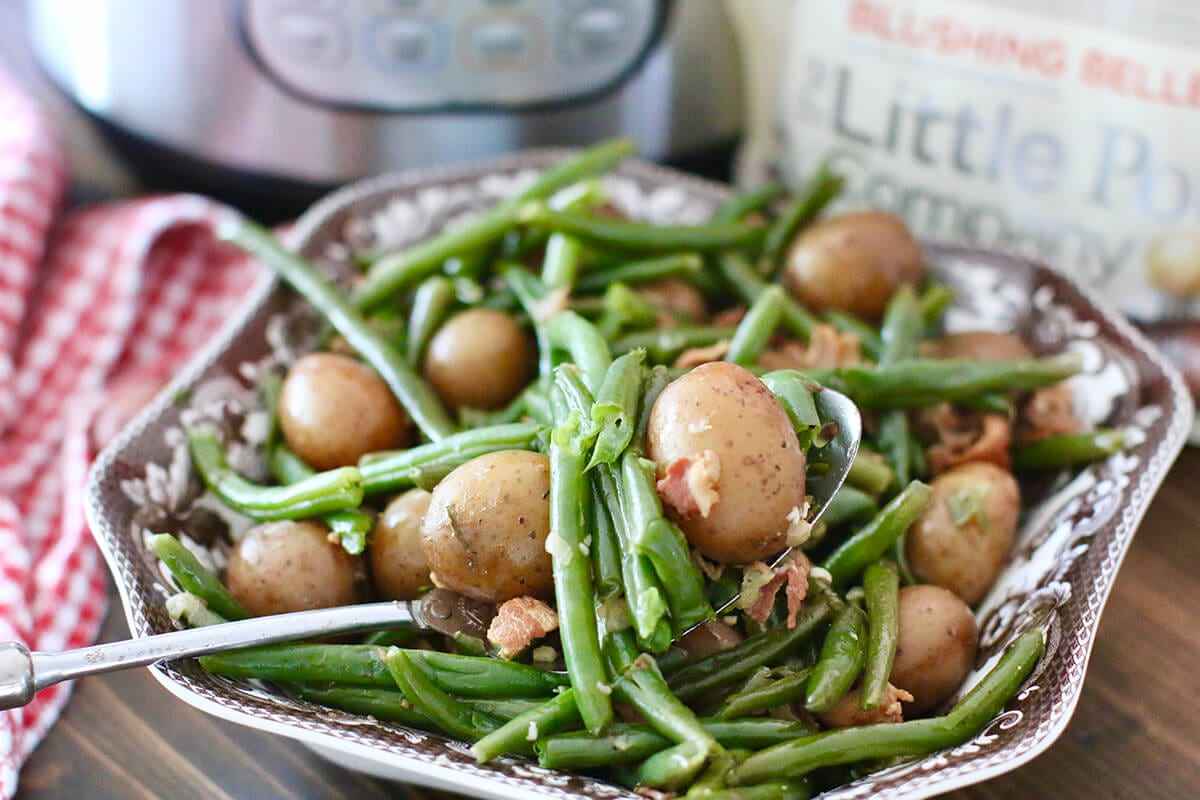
[(431, 55)]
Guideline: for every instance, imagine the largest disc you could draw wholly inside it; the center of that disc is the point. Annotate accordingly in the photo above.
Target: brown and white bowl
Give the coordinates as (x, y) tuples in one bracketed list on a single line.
[(1076, 528)]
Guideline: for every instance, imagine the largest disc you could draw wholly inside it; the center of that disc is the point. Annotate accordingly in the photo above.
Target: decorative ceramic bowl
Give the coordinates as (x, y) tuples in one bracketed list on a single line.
[(1076, 527)]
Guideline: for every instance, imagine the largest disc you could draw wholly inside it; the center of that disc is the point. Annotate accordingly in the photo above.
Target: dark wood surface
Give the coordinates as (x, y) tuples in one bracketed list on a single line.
[(1135, 734)]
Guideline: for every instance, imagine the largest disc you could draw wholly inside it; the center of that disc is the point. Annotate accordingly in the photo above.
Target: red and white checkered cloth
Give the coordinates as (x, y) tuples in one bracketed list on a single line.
[(95, 306)]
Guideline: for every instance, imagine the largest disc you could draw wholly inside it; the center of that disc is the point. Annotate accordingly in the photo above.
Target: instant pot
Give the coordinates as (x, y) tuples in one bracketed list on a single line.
[(278, 100)]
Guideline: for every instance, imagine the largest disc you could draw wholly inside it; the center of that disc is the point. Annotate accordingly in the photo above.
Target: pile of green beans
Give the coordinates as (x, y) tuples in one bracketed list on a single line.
[(736, 723)]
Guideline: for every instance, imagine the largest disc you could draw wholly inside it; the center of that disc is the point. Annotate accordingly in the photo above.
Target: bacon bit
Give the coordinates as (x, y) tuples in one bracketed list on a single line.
[(652, 794), (848, 713), (793, 574), (695, 356), (1048, 412), (689, 487), (730, 317), (520, 622), (964, 436), (826, 348), (555, 302)]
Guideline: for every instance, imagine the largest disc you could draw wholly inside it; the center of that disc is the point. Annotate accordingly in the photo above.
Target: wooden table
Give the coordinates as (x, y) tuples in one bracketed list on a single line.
[(1136, 733)]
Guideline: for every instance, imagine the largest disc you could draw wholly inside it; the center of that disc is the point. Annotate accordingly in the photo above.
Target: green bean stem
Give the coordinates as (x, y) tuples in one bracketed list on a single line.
[(821, 189), (881, 583), (431, 303), (413, 393), (403, 469), (873, 539), (891, 740), (574, 592), (519, 733), (1068, 450), (676, 265), (395, 272), (334, 490), (625, 743), (616, 408), (644, 237), (755, 330), (362, 665), (447, 713), (840, 663), (194, 577)]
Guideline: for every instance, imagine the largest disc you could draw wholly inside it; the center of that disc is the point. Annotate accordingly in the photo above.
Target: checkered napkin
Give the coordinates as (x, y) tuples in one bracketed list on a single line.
[(97, 308)]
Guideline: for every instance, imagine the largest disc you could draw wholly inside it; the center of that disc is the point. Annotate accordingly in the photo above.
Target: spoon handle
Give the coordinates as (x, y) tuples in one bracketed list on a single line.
[(23, 673)]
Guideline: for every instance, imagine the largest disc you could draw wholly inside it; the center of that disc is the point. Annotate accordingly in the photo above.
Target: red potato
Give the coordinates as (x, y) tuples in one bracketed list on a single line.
[(480, 358), (398, 567)]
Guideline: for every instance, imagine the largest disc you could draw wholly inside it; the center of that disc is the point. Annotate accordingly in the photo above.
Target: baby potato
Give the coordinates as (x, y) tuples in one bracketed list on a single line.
[(979, 346), (854, 262), (935, 646), (292, 565), (677, 297), (962, 540), (730, 469), (480, 358), (398, 567), (484, 534), (333, 410)]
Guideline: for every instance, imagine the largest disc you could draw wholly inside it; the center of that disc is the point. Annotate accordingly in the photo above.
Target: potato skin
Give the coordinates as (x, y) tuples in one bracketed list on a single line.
[(398, 568), (480, 358), (853, 262), (965, 558), (677, 297), (333, 410), (978, 346), (723, 408), (935, 646), (495, 549), (291, 565)]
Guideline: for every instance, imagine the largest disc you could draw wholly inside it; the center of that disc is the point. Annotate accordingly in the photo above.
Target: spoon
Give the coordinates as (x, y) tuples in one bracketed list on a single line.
[(24, 673)]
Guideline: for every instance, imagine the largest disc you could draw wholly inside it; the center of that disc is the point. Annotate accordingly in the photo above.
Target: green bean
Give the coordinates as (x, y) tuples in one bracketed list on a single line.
[(673, 768), (890, 740), (334, 490), (873, 539), (662, 543), (402, 469), (664, 345), (994, 402), (643, 687), (388, 705), (616, 408), (869, 472), (362, 665), (395, 272), (934, 301), (194, 577), (571, 332), (845, 322), (644, 237), (757, 699), (776, 790), (623, 308), (897, 442), (675, 265), (431, 303), (807, 205), (921, 382), (728, 666), (840, 663), (1068, 450), (848, 504), (518, 734), (624, 743), (574, 593), (755, 330), (902, 327), (795, 391), (657, 378), (747, 203), (881, 582), (350, 527), (413, 393), (450, 715), (739, 273), (402, 636)]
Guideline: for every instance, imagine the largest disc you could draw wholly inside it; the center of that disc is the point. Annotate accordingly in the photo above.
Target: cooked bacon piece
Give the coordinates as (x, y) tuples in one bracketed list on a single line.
[(730, 317), (826, 348), (695, 356), (1048, 412), (519, 623), (792, 574), (689, 487), (963, 436), (848, 713)]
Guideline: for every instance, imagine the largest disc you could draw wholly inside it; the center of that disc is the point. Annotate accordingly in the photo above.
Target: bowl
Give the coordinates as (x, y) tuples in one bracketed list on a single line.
[(1075, 530)]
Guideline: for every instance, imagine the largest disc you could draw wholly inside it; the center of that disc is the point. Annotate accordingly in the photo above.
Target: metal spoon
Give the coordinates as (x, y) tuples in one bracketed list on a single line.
[(23, 673)]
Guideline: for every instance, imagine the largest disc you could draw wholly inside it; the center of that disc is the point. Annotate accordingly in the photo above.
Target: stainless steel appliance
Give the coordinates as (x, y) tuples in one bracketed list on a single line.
[(281, 95)]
